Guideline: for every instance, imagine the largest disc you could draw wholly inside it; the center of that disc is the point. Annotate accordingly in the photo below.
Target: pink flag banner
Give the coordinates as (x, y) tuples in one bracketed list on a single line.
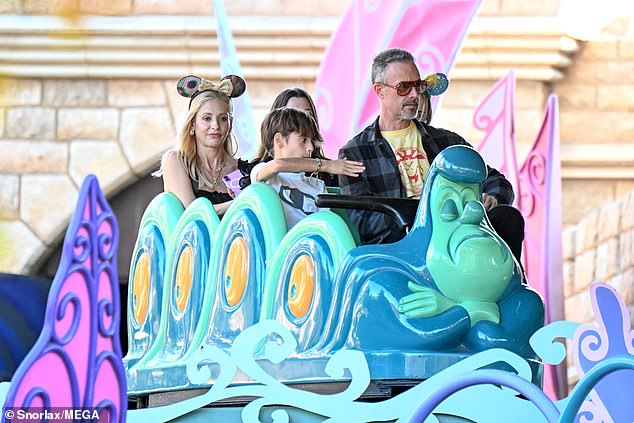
[(540, 203), (243, 122), (432, 30), (495, 116), (538, 195)]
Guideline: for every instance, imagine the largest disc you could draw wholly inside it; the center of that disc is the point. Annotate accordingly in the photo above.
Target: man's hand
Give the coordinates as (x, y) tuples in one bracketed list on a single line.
[(424, 302), (489, 201)]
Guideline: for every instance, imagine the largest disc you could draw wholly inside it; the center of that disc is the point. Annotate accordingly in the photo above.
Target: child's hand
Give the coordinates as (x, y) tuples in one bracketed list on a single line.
[(343, 167)]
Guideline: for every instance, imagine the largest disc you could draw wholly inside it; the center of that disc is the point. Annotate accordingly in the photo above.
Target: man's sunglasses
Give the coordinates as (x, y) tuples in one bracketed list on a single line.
[(404, 88)]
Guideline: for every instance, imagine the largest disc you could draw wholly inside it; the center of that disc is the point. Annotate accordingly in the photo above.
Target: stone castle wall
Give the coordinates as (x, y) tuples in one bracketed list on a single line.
[(598, 248), (597, 130), (55, 133)]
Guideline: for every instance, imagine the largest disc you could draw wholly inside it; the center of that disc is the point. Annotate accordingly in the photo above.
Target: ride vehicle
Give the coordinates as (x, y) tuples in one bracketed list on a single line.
[(197, 282)]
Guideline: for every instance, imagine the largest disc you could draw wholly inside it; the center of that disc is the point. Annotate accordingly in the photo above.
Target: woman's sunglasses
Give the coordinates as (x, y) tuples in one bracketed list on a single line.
[(404, 88)]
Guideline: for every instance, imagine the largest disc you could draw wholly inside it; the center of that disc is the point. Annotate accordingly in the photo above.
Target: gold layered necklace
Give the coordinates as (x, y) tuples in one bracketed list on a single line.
[(214, 174)]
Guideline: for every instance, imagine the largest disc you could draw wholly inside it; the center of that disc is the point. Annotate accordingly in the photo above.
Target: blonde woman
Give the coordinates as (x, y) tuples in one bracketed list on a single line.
[(206, 146)]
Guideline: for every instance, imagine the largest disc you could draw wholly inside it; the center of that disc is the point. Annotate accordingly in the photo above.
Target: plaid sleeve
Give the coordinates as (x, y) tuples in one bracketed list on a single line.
[(496, 185), (373, 227), (350, 185)]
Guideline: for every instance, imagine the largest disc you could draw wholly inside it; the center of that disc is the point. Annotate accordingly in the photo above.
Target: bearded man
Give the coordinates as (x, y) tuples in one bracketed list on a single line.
[(397, 150)]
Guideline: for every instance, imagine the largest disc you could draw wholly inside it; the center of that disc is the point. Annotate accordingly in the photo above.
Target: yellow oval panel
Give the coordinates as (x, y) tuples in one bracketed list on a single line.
[(184, 274), (301, 286), (141, 288), (236, 270)]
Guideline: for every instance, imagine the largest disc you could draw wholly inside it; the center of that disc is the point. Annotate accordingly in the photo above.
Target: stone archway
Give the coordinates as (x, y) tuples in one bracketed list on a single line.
[(56, 134), (128, 206)]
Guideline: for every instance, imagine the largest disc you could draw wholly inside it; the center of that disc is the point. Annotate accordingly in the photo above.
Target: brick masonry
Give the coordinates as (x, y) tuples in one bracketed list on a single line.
[(596, 102)]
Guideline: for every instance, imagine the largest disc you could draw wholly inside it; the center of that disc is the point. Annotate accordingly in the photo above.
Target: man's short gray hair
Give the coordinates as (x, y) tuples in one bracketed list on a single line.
[(385, 58)]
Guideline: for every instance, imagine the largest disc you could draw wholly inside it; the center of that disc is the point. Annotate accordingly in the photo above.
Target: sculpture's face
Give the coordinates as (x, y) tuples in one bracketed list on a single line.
[(467, 259)]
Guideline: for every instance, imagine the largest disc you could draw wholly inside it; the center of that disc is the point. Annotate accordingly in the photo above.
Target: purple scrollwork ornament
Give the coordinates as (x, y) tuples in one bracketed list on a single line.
[(613, 337), (76, 361)]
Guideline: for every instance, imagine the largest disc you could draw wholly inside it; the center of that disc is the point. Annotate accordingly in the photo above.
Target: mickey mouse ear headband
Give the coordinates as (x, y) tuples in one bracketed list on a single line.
[(230, 86), (437, 83)]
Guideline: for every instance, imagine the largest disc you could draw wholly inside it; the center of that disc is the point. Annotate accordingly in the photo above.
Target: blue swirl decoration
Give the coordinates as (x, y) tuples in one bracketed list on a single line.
[(270, 343), (469, 389)]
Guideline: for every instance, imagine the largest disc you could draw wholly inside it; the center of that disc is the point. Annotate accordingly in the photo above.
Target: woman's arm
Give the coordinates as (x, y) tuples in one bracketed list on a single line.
[(221, 208), (176, 179), (336, 167)]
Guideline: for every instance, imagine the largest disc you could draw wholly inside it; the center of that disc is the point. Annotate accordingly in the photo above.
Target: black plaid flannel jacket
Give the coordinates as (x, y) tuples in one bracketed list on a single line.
[(382, 178)]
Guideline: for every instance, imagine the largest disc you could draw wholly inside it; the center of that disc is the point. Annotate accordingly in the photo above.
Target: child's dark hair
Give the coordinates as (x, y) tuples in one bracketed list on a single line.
[(284, 97), (285, 121)]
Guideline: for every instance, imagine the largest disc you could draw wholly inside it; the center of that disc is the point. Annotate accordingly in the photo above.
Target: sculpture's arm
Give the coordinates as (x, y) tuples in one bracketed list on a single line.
[(423, 302)]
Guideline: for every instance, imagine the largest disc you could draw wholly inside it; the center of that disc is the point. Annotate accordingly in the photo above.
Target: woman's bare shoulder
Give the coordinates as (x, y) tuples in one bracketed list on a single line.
[(172, 161), (170, 154), (171, 158)]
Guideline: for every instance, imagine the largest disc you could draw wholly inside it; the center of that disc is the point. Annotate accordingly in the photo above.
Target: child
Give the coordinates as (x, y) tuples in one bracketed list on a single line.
[(288, 140)]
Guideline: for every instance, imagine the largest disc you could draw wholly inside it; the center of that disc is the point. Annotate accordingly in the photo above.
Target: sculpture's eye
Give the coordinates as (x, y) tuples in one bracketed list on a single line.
[(449, 211), (470, 195)]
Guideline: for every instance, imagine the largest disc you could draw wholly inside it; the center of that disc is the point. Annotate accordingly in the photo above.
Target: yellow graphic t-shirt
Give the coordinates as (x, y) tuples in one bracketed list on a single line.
[(410, 156)]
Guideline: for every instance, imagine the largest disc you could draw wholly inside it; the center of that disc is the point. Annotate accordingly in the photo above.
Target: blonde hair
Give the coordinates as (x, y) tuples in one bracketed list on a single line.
[(186, 142)]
